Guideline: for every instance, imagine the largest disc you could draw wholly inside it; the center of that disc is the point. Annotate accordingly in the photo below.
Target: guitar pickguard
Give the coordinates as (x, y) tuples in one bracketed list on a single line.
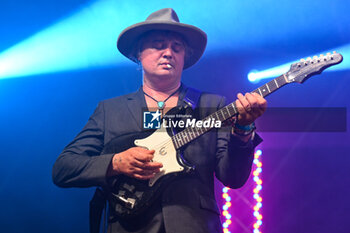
[(165, 153)]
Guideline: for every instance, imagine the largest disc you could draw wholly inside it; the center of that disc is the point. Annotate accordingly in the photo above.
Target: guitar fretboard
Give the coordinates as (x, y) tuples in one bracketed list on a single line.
[(191, 133)]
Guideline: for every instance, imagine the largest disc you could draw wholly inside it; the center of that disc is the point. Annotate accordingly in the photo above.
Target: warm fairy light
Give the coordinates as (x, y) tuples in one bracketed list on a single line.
[(256, 191), (225, 208), (227, 199)]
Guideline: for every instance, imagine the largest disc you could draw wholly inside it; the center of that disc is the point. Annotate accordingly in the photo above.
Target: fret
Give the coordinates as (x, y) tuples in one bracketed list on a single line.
[(185, 136), (276, 83), (190, 133), (182, 137), (199, 131), (281, 80), (234, 109), (272, 86), (204, 130), (195, 132), (268, 87), (226, 113), (178, 143), (179, 139), (228, 110), (222, 115), (174, 142), (217, 116), (285, 78), (260, 92), (210, 116)]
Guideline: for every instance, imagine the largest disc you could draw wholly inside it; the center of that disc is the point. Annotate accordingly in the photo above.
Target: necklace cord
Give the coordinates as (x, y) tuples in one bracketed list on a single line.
[(161, 104)]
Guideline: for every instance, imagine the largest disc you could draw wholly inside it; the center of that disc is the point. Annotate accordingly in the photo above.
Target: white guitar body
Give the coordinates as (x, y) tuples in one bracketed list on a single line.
[(165, 153)]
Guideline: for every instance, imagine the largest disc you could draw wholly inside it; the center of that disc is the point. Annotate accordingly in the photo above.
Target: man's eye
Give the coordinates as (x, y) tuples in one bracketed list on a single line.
[(178, 47), (158, 45)]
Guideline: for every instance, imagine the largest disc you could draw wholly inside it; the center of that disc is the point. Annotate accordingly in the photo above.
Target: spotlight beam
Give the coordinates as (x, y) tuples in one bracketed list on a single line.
[(85, 39)]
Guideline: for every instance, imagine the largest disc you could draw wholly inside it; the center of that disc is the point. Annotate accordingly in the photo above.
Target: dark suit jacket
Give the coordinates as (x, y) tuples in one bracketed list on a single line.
[(187, 205)]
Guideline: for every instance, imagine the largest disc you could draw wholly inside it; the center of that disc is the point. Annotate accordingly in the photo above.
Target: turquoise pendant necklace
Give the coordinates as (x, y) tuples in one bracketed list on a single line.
[(161, 104)]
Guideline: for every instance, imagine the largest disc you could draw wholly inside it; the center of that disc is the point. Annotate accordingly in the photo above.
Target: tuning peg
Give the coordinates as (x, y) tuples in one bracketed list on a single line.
[(314, 57), (321, 55), (328, 54), (302, 60), (334, 52), (308, 59)]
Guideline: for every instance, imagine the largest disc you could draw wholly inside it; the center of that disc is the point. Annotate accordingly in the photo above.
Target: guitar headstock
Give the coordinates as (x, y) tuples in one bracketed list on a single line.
[(304, 69)]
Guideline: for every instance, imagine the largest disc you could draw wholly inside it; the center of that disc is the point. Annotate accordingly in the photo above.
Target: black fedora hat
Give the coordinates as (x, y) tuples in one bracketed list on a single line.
[(164, 19)]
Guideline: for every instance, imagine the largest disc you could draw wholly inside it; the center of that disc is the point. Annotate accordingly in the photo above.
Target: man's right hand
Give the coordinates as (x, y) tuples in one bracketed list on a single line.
[(135, 162)]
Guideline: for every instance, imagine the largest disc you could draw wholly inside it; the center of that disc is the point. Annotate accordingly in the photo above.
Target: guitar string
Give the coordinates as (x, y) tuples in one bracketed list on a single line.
[(167, 142), (187, 131)]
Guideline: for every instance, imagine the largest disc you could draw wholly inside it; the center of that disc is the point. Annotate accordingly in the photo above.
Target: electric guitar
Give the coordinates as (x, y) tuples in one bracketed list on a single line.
[(129, 197)]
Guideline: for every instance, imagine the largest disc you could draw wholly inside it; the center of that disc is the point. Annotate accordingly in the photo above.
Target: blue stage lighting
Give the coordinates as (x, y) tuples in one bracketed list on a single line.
[(86, 39), (255, 76)]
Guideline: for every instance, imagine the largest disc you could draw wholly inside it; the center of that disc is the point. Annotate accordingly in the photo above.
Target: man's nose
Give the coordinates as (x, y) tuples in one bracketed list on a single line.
[(168, 52)]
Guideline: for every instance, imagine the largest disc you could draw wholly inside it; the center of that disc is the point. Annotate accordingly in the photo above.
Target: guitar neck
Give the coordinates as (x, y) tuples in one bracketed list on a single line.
[(191, 133)]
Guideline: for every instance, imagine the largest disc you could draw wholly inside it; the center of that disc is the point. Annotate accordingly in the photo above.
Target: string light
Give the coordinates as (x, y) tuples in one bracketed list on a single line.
[(256, 178), (257, 207), (225, 208)]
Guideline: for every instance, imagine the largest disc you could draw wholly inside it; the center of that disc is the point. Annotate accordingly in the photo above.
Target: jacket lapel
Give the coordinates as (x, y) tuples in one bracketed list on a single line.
[(137, 104)]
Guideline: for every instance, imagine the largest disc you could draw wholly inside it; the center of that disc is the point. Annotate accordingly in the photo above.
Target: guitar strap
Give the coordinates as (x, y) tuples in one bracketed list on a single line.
[(191, 97)]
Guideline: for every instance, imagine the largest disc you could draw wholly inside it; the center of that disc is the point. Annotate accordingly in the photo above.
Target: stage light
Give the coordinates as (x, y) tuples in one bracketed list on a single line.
[(83, 40), (87, 38), (255, 75), (258, 153)]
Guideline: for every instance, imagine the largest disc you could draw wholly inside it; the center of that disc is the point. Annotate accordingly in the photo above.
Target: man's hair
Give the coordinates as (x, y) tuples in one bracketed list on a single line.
[(136, 52)]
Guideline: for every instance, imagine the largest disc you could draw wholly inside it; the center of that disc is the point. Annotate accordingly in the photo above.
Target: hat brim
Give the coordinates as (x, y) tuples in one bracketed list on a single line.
[(195, 38)]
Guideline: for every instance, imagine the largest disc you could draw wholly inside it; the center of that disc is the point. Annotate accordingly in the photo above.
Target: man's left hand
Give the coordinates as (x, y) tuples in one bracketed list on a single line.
[(250, 106)]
